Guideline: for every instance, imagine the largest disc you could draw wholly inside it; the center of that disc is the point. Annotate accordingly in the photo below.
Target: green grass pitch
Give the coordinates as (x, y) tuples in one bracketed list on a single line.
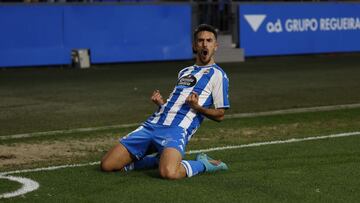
[(47, 99)]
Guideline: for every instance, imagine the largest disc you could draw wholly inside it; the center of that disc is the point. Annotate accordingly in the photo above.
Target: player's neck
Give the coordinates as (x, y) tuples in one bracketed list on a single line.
[(199, 62)]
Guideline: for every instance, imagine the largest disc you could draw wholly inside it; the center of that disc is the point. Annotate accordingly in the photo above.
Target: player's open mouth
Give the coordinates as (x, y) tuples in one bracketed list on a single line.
[(204, 52)]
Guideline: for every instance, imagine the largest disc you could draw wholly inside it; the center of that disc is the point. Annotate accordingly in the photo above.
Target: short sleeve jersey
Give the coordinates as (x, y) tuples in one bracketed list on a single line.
[(209, 82)]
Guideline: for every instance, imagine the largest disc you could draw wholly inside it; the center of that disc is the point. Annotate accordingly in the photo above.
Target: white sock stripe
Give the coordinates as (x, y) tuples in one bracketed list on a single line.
[(129, 167), (188, 168)]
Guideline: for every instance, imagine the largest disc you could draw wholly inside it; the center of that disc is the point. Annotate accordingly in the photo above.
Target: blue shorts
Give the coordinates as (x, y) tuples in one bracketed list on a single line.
[(154, 136)]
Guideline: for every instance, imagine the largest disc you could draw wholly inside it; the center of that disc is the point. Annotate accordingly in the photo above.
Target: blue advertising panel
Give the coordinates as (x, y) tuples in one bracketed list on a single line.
[(130, 33), (31, 35), (37, 34), (299, 28)]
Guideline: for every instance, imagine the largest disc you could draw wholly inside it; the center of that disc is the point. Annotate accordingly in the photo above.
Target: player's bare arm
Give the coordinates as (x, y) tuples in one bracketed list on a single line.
[(157, 98), (213, 114)]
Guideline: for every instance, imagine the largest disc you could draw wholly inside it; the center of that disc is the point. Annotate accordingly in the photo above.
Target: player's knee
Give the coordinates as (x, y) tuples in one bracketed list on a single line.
[(168, 173), (105, 166), (115, 159)]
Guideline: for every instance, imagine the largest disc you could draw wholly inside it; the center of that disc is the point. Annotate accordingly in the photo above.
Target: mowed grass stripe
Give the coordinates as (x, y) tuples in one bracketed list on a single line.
[(293, 140), (316, 171), (239, 115)]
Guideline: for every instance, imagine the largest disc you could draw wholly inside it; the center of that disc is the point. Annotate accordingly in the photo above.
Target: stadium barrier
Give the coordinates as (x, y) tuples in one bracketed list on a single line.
[(299, 28), (46, 34)]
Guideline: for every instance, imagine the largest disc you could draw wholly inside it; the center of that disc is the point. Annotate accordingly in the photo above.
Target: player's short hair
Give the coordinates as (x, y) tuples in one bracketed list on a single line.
[(204, 27)]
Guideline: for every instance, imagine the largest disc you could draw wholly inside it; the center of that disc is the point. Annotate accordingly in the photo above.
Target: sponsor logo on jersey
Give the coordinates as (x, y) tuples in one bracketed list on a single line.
[(187, 81), (206, 71)]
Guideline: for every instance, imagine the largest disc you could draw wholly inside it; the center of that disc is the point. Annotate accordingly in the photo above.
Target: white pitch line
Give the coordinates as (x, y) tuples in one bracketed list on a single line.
[(56, 132), (28, 185), (256, 144), (51, 168), (239, 115), (295, 110)]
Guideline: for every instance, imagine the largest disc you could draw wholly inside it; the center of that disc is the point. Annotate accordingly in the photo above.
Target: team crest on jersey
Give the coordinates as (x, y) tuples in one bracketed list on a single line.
[(187, 80), (206, 71)]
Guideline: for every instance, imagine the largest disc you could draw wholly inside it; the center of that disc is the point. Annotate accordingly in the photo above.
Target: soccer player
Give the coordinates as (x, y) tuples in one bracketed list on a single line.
[(201, 91)]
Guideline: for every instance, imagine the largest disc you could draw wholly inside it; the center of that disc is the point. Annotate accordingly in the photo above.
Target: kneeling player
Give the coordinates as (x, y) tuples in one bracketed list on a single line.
[(201, 91)]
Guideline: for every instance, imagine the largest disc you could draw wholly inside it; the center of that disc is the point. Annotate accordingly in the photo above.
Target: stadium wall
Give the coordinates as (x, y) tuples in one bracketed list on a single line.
[(299, 28), (35, 34)]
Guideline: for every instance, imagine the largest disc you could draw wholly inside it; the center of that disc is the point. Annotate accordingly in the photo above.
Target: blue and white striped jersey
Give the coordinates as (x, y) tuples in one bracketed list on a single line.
[(209, 82)]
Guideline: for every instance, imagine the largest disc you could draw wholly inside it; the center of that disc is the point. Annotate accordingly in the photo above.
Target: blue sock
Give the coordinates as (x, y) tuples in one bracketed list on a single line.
[(193, 167), (148, 162)]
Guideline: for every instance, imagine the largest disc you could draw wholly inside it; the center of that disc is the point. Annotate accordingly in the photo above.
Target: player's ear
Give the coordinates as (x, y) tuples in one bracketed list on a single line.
[(216, 45), (193, 48)]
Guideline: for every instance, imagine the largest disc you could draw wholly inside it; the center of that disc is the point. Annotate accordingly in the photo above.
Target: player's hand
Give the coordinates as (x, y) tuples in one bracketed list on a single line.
[(193, 100), (157, 98)]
